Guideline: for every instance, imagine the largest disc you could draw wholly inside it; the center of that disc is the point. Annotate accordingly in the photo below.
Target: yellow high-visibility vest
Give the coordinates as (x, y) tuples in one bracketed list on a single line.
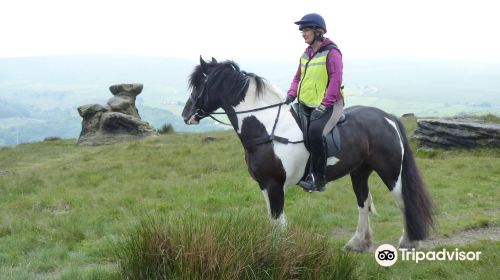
[(313, 78)]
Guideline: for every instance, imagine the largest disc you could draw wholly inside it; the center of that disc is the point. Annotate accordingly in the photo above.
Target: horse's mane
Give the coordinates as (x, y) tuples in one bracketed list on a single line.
[(225, 75)]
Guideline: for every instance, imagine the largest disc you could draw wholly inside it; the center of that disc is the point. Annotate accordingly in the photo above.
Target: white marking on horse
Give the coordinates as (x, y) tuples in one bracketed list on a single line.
[(193, 120), (293, 156), (372, 205), (281, 220), (332, 161), (404, 241), (362, 239), (397, 189), (266, 197)]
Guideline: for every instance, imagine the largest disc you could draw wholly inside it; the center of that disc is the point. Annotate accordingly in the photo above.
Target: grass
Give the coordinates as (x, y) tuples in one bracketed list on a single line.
[(229, 247), (67, 211), (488, 117)]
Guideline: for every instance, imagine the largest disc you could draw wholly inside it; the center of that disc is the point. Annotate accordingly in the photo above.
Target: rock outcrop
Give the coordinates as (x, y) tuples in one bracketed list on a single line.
[(118, 121), (51, 138), (466, 133)]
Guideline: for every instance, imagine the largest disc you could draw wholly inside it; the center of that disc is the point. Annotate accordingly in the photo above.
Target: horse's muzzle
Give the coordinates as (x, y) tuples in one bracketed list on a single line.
[(194, 119)]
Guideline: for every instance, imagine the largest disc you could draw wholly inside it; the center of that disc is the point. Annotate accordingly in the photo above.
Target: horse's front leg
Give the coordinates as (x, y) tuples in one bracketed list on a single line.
[(274, 194)]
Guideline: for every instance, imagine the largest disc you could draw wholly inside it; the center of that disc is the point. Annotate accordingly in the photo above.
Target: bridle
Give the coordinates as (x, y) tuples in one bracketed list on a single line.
[(200, 113)]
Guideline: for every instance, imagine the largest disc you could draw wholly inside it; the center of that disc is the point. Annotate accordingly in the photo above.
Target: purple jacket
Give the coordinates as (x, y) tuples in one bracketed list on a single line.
[(334, 67)]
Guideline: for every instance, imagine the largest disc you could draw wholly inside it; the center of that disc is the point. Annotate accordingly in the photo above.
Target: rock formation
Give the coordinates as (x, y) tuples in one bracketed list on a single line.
[(118, 121), (466, 133), (51, 138), (408, 115)]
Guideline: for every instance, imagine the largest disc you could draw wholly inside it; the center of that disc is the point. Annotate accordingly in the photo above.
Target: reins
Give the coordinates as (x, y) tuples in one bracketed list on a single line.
[(200, 113)]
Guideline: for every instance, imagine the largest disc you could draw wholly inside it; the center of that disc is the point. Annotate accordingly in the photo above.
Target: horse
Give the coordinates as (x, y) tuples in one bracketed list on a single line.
[(276, 156)]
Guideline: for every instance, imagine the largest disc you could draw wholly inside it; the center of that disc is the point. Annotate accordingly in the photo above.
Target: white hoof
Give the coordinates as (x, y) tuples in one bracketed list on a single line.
[(280, 223), (405, 242), (358, 245)]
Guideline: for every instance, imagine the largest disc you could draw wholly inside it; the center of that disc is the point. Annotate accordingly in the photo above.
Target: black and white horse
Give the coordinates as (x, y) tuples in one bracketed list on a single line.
[(372, 140)]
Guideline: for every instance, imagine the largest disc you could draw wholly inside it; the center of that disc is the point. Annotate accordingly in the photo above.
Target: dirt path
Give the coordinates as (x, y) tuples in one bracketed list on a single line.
[(461, 238), (465, 237)]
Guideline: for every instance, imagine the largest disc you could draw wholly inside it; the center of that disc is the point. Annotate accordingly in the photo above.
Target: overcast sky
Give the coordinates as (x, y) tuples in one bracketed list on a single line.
[(250, 30)]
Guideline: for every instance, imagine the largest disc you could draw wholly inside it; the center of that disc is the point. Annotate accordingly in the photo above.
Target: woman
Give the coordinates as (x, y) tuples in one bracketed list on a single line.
[(317, 84)]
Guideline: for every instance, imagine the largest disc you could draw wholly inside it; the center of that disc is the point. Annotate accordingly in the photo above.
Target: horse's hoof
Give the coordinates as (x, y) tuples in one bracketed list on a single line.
[(360, 246), (409, 244)]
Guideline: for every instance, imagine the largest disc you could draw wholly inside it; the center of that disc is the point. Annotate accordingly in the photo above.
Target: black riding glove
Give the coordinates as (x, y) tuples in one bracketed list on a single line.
[(318, 112), (289, 99)]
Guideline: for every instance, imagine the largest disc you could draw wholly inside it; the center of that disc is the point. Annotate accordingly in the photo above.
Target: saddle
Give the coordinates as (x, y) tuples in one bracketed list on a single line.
[(332, 139)]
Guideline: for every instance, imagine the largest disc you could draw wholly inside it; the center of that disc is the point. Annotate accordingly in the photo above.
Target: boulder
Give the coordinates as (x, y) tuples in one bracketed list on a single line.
[(209, 139), (119, 121), (52, 138), (466, 133)]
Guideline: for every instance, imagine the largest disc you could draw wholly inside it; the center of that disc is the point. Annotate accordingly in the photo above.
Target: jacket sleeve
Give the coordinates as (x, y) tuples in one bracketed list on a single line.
[(335, 68), (295, 83)]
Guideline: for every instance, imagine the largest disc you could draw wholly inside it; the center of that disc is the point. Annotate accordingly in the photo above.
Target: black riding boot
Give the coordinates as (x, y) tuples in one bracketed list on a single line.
[(315, 181)]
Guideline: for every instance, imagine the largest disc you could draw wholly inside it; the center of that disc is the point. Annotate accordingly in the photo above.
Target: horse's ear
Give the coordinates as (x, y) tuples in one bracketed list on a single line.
[(203, 65), (214, 60)]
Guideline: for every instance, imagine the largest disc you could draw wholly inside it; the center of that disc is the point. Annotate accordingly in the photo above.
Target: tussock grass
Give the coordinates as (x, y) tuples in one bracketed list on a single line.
[(487, 117), (229, 247), (166, 129)]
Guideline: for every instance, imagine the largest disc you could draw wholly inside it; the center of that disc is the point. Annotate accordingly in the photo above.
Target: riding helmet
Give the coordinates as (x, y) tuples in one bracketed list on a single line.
[(311, 20)]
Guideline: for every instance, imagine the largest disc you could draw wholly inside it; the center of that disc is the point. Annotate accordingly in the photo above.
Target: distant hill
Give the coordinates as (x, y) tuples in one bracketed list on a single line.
[(70, 81), (39, 95), (429, 81), (31, 124)]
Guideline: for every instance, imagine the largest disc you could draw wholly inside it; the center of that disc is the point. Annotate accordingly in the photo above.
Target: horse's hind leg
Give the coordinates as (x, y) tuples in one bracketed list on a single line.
[(394, 183), (362, 239)]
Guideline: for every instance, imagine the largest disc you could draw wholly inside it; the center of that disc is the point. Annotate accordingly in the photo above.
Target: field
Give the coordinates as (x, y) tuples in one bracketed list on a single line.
[(69, 212)]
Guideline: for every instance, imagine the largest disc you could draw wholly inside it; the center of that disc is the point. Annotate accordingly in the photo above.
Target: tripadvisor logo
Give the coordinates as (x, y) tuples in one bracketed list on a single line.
[(387, 255)]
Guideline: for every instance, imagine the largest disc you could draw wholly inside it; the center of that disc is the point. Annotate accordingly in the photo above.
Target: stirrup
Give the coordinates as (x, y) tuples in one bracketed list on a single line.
[(311, 185)]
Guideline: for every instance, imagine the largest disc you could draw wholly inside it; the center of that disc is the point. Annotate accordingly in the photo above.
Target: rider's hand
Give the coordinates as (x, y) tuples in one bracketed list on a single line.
[(289, 99), (318, 112)]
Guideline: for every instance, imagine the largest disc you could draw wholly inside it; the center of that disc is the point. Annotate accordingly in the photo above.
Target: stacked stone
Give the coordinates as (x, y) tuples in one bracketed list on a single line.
[(118, 121)]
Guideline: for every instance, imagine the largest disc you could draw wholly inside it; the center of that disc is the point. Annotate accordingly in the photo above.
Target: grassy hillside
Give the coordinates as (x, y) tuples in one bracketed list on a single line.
[(66, 211)]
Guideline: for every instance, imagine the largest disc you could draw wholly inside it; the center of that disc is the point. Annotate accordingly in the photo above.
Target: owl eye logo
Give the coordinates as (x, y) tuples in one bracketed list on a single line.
[(386, 255)]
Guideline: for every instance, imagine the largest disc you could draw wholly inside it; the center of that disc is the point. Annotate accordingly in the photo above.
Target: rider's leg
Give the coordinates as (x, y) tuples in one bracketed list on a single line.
[(317, 129), (305, 112), (338, 109), (318, 156)]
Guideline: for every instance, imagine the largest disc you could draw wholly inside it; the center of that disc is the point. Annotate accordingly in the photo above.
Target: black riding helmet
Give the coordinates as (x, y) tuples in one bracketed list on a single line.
[(311, 20)]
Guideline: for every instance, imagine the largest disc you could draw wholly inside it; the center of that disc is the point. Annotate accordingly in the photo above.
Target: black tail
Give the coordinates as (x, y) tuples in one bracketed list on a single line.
[(419, 208)]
